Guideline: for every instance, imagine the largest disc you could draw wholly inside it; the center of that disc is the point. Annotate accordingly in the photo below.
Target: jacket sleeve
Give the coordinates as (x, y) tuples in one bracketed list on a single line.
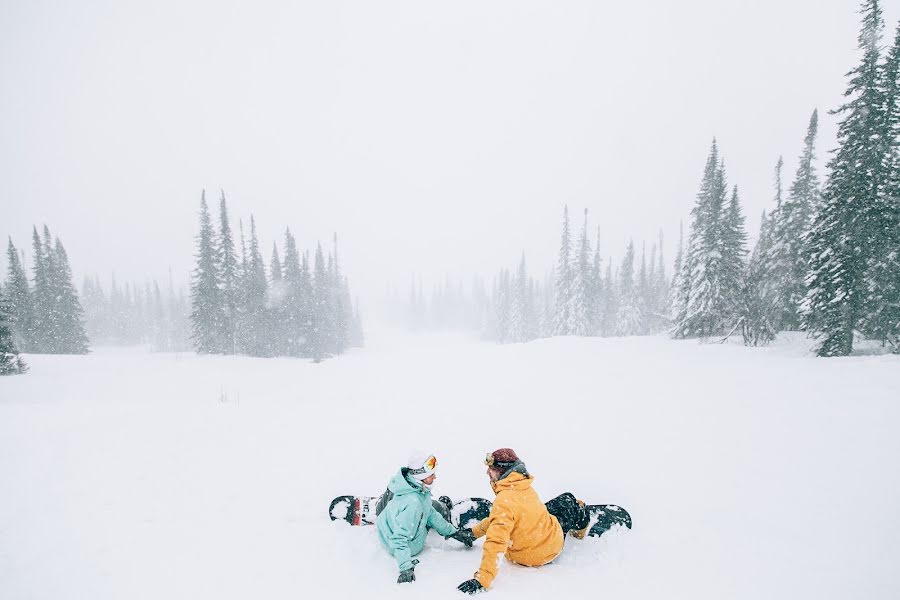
[(399, 541), (500, 525), (438, 523), (481, 527)]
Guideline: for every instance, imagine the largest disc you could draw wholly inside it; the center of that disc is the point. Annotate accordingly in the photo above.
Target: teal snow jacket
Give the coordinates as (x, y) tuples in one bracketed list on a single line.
[(404, 522)]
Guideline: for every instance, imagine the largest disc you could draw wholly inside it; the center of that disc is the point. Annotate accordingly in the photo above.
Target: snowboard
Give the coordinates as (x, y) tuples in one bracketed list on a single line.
[(606, 516), (360, 510)]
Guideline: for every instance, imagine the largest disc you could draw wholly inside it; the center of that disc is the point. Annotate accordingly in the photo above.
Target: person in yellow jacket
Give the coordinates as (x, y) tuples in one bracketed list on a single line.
[(520, 526)]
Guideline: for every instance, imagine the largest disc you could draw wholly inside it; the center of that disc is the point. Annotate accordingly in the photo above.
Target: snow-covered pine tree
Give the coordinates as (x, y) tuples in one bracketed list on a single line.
[(790, 223), (610, 302), (734, 252), (845, 232), (11, 363), (759, 300), (563, 317), (519, 305), (881, 319), (659, 286), (673, 308), (630, 317), (256, 295), (295, 338), (710, 274), (40, 297), (19, 298), (642, 287), (207, 309), (275, 266), (230, 279), (69, 330), (318, 335), (597, 292), (580, 311)]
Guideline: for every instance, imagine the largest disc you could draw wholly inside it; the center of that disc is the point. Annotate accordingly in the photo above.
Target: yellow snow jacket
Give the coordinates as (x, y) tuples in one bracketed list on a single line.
[(519, 526)]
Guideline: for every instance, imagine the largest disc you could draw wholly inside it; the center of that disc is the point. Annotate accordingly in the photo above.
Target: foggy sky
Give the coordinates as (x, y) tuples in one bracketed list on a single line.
[(435, 138)]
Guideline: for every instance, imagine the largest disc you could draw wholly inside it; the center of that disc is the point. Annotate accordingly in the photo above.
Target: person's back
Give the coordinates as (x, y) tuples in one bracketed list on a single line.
[(535, 536)]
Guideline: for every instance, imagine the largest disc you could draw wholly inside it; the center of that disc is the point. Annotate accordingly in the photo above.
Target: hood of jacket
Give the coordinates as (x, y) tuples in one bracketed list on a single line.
[(514, 481), (400, 485)]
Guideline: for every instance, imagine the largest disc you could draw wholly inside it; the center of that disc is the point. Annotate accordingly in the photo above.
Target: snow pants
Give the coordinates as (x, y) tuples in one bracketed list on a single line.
[(570, 514)]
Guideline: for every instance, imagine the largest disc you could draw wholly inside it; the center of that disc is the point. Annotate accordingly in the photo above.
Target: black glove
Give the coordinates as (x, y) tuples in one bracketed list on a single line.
[(464, 536), (470, 587), (407, 576)]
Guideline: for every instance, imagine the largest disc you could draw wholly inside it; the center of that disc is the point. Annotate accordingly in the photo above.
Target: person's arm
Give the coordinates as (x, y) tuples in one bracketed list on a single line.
[(499, 527), (437, 522), (482, 526)]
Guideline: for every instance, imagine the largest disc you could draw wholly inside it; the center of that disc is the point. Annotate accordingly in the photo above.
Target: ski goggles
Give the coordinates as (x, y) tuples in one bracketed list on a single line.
[(428, 467), (489, 461)]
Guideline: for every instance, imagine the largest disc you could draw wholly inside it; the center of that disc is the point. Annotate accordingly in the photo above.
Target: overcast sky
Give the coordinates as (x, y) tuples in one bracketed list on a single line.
[(439, 138)]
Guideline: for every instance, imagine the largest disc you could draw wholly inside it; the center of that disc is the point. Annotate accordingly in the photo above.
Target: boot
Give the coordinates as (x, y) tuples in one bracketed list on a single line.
[(579, 534)]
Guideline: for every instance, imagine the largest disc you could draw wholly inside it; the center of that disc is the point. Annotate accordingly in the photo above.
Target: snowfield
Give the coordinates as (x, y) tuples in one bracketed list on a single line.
[(750, 473)]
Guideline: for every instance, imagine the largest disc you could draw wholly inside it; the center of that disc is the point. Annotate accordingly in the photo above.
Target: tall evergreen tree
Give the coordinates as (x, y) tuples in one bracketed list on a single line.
[(703, 304), (207, 306), (581, 285), (563, 317), (295, 329), (597, 292), (69, 330), (275, 266), (733, 251), (11, 363), (881, 319), (845, 233), (320, 322), (630, 317), (790, 225), (19, 298), (760, 309), (229, 277)]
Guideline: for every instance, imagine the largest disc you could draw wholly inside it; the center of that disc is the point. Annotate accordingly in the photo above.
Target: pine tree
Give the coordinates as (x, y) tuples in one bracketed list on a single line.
[(673, 306), (275, 266), (207, 306), (255, 292), (845, 232), (69, 316), (320, 322), (580, 310), (610, 302), (563, 317), (597, 291), (760, 309), (881, 319), (630, 317), (790, 224), (703, 304), (19, 298), (293, 315), (734, 251), (11, 363), (229, 277)]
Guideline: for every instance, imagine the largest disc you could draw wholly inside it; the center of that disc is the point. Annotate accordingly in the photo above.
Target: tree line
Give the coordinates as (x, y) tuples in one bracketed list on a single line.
[(136, 314), (299, 306), (42, 315), (827, 258)]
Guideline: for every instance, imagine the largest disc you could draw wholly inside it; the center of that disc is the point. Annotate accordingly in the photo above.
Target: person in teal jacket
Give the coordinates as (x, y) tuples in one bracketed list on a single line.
[(406, 513)]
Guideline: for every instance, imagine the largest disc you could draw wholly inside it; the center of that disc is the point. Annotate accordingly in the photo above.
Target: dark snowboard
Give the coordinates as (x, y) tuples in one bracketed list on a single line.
[(606, 516), (360, 510)]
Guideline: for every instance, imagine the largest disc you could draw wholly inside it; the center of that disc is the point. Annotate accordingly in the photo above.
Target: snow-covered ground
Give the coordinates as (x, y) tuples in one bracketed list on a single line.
[(750, 473)]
